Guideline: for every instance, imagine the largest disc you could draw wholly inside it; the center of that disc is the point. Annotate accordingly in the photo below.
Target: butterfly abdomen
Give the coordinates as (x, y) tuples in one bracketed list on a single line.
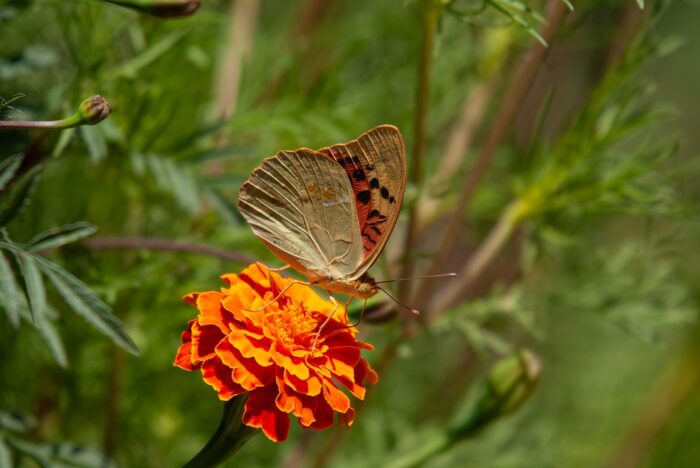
[(362, 288)]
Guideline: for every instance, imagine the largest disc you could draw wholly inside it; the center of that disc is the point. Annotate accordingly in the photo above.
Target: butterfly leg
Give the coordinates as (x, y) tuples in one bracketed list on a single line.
[(328, 319), (280, 295), (279, 269), (362, 313)]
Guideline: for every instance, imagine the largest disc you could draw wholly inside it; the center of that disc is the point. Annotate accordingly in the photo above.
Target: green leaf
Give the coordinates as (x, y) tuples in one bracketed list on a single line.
[(86, 304), (54, 238), (14, 421), (52, 340), (37, 452), (63, 139), (519, 20), (11, 203), (36, 293), (9, 290), (5, 456), (94, 141), (8, 169)]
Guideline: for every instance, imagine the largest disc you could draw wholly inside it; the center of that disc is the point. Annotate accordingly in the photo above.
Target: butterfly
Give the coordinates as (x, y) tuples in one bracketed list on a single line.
[(328, 213)]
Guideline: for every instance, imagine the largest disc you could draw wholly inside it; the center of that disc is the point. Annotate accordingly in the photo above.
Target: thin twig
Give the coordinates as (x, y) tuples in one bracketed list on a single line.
[(429, 13), (167, 245), (458, 144), (496, 239), (516, 92)]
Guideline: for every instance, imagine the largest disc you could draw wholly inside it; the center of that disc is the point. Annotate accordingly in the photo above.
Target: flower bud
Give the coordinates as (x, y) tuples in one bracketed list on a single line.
[(509, 384), (94, 110), (161, 8)]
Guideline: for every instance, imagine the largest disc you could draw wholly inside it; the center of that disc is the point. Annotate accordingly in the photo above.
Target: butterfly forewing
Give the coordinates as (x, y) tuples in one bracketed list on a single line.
[(301, 204), (375, 165)]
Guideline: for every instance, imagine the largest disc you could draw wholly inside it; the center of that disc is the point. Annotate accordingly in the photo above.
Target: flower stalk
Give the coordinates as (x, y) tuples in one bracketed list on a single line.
[(229, 437), (92, 110)]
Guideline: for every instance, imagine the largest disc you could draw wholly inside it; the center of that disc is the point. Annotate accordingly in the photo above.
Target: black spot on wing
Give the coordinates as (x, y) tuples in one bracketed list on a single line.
[(375, 214), (374, 183), (359, 175), (392, 199), (385, 192), (364, 196)]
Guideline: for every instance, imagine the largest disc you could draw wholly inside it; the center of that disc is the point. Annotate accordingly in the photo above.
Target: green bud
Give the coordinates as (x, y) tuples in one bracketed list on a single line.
[(94, 110), (161, 8), (510, 383)]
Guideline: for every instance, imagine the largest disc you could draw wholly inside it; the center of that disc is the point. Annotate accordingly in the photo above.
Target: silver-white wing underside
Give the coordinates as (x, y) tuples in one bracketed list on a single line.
[(301, 204)]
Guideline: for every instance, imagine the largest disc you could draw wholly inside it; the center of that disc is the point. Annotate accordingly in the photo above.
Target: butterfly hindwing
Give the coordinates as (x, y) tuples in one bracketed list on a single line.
[(300, 203), (375, 165)]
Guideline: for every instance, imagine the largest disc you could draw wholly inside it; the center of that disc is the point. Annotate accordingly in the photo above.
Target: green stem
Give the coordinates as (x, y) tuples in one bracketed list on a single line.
[(430, 14), (69, 122), (428, 450), (230, 436)]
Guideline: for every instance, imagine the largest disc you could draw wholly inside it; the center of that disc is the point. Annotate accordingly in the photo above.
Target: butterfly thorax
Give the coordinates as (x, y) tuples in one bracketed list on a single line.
[(362, 288)]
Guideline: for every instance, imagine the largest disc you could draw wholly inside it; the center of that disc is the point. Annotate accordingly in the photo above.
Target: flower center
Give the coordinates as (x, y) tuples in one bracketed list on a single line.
[(292, 323)]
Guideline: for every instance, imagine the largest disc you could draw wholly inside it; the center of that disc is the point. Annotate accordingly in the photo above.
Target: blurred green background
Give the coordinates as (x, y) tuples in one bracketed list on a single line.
[(604, 288)]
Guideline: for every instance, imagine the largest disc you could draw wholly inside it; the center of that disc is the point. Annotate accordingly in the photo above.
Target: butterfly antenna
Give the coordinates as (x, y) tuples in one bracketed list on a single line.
[(417, 312), (441, 275)]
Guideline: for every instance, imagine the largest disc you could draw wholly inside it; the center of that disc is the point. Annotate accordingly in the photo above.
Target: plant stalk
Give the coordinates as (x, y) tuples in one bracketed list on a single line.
[(230, 436), (430, 13), (494, 242), (513, 97)]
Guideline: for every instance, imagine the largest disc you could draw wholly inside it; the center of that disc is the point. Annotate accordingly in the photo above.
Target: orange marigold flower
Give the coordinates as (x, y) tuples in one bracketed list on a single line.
[(270, 353)]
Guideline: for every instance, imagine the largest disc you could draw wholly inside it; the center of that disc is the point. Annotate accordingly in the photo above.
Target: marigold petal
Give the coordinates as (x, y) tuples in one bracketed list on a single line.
[(343, 360), (299, 405), (323, 414), (183, 359), (294, 365), (363, 372), (337, 399), (204, 341), (261, 411), (250, 348), (246, 372), (242, 301), (258, 277), (349, 417), (356, 389), (310, 387), (191, 298), (216, 374), (211, 312)]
